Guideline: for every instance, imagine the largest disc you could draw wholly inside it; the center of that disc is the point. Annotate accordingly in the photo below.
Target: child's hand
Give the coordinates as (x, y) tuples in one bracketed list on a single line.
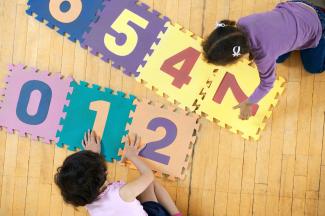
[(131, 147), (91, 142), (245, 110)]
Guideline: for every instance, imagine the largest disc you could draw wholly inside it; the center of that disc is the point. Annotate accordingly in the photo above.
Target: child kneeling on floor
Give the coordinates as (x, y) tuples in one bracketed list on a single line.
[(82, 181), (269, 38)]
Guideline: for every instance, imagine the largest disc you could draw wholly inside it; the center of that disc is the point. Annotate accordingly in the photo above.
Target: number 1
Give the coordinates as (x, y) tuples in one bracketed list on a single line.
[(102, 109)]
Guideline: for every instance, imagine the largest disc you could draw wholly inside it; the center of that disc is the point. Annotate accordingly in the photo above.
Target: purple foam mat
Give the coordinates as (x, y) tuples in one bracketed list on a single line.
[(94, 39), (39, 111)]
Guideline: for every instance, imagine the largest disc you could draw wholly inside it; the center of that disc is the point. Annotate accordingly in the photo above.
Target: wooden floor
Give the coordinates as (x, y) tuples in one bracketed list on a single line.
[(282, 174)]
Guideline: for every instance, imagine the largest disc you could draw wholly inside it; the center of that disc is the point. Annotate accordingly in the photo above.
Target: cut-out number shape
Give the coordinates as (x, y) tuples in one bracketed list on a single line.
[(122, 26), (229, 82), (149, 151), (102, 109), (188, 57), (65, 11), (25, 110)]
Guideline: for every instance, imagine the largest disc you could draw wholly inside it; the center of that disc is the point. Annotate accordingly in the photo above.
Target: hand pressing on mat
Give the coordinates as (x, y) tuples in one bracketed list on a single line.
[(91, 142), (245, 110), (132, 147)]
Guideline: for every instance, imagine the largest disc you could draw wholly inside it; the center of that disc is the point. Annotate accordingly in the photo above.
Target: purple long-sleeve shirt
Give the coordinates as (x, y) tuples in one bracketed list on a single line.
[(290, 26)]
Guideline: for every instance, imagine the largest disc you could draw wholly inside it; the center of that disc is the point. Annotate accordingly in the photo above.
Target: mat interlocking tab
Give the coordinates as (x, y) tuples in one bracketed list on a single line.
[(81, 116), (71, 17), (168, 135), (33, 102), (124, 34), (233, 83), (176, 68)]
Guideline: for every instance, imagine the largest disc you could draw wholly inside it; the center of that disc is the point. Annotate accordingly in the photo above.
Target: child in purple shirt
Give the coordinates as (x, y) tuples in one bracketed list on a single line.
[(82, 182), (268, 38)]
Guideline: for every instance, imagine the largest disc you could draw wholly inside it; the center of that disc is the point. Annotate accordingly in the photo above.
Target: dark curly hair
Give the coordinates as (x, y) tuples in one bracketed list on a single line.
[(80, 177), (218, 47)]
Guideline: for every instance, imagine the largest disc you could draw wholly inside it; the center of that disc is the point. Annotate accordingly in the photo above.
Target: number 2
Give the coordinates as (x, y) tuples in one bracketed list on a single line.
[(121, 26), (149, 151), (229, 82), (102, 109), (74, 8), (189, 56)]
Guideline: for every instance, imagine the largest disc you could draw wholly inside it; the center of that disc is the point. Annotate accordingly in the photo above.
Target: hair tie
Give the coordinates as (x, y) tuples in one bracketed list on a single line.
[(222, 25), (236, 51)]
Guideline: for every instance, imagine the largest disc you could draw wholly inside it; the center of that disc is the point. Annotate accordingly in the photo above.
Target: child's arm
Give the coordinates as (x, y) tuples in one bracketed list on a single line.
[(130, 191)]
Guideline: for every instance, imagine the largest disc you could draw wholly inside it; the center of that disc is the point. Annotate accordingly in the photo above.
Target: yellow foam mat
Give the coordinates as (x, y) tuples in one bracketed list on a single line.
[(206, 78), (248, 79), (172, 42)]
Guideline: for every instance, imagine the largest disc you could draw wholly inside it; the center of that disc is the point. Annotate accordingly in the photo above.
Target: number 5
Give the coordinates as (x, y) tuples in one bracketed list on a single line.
[(121, 26)]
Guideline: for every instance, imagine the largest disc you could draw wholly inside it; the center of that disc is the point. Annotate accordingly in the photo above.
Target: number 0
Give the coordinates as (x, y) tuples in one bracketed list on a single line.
[(26, 93)]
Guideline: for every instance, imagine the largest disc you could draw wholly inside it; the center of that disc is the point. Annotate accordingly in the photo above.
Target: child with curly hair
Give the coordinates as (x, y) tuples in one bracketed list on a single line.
[(82, 182)]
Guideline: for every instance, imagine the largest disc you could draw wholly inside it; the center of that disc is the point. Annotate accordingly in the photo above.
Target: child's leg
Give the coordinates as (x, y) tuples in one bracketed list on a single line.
[(283, 57), (164, 199), (314, 59), (148, 195)]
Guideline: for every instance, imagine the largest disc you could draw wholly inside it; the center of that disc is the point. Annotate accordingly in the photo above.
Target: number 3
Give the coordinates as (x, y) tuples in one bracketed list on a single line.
[(72, 13), (121, 26)]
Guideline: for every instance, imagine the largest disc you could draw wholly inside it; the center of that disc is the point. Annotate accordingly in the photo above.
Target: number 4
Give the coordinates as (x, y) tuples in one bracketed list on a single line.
[(189, 56)]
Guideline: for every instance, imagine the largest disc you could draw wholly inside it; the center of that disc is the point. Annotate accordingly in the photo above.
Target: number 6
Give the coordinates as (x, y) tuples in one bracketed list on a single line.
[(75, 8), (121, 25)]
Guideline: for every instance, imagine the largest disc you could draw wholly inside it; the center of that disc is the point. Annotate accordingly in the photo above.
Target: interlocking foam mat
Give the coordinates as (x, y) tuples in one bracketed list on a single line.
[(51, 108), (161, 55)]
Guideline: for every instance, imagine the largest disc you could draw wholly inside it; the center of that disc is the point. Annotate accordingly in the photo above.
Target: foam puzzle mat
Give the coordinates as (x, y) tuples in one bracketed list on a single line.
[(163, 56), (27, 106), (161, 128), (51, 108), (124, 33), (226, 89), (182, 84), (106, 111)]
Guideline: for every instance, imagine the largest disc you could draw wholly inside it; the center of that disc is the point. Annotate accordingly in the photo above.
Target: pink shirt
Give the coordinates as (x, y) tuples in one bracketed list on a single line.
[(110, 203)]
